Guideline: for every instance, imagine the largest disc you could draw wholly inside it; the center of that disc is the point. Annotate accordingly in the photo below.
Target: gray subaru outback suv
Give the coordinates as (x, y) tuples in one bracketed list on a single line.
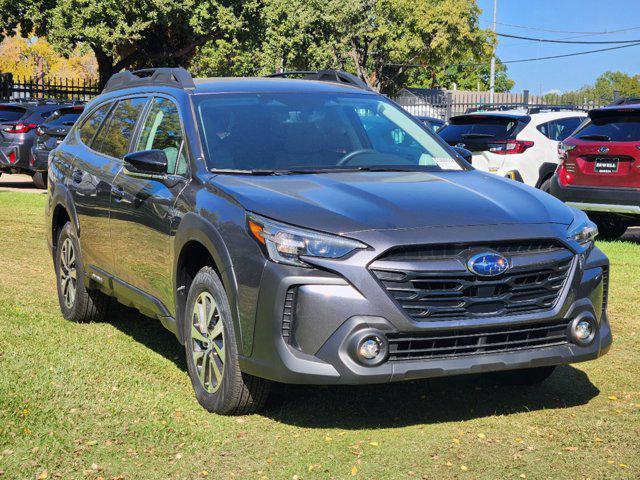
[(310, 231)]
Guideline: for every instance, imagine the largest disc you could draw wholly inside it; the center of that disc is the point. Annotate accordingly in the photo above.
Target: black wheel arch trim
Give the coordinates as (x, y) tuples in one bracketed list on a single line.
[(61, 197), (195, 228)]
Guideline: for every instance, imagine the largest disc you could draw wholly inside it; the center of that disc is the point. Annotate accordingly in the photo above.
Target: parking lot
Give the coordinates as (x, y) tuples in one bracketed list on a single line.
[(112, 400)]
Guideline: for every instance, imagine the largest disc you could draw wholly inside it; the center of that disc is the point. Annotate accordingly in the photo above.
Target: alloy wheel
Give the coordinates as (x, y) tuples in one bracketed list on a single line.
[(207, 340), (68, 273)]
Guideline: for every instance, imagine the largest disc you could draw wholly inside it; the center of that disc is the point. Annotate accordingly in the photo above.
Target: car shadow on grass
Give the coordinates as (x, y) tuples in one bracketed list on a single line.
[(386, 405), (447, 399)]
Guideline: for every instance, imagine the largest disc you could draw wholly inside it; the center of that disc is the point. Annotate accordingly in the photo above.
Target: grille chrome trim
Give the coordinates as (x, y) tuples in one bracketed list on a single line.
[(455, 343)]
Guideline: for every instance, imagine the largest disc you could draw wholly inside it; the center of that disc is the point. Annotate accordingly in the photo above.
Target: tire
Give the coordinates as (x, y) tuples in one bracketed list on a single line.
[(546, 186), (77, 303), (40, 180), (212, 359), (610, 227), (525, 376)]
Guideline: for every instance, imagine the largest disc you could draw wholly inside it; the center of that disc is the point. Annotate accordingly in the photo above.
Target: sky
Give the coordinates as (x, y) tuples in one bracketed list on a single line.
[(564, 74)]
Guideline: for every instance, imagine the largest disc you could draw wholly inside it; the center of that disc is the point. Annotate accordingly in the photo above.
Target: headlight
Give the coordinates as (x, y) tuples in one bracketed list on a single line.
[(582, 230), (286, 244)]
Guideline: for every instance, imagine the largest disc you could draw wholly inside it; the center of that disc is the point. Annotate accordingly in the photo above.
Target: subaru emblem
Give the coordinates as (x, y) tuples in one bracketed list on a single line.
[(488, 264), (603, 149)]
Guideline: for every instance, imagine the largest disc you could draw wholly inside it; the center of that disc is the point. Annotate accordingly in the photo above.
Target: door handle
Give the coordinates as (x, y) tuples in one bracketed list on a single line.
[(117, 193)]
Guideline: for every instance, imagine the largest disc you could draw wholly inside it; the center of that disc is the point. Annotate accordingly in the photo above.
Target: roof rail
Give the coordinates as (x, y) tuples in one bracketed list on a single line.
[(333, 76), (626, 101), (170, 77)]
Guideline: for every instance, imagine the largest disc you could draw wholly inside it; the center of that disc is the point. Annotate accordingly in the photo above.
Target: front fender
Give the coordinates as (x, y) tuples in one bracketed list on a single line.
[(195, 228)]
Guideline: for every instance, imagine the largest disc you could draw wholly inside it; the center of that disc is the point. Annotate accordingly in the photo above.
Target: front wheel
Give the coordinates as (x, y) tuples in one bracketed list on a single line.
[(212, 353), (610, 227)]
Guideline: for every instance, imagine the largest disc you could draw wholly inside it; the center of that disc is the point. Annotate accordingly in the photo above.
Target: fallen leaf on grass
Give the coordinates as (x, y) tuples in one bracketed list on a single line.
[(612, 397), (464, 468), (354, 470), (43, 475)]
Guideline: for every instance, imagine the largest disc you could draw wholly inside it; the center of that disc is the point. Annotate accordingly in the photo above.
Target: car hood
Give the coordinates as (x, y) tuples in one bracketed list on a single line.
[(356, 201)]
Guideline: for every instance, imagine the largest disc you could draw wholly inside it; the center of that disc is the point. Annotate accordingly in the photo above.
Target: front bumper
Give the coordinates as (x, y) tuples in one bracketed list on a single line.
[(311, 343), (598, 199)]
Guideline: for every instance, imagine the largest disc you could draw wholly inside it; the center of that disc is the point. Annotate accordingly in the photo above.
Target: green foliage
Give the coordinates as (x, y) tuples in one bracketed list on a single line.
[(608, 83), (381, 41)]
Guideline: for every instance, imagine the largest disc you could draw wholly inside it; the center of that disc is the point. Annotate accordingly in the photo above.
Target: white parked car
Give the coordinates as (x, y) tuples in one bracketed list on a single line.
[(518, 144)]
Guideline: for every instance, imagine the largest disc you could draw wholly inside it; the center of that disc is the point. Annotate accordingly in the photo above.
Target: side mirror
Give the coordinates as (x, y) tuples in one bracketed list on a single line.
[(464, 153), (146, 163)]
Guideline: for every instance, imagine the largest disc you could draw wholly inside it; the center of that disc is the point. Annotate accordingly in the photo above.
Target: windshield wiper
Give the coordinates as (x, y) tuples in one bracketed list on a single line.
[(594, 136), (477, 135), (241, 171)]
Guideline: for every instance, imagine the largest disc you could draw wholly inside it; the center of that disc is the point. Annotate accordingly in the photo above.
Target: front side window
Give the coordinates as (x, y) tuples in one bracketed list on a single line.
[(114, 138), (162, 131), (92, 123), (304, 131)]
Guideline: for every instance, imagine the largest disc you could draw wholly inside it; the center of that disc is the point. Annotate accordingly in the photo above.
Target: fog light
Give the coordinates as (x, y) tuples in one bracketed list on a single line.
[(584, 330), (370, 348)]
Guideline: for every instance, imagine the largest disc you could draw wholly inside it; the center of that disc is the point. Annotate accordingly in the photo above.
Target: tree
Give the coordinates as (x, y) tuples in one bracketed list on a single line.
[(35, 57), (124, 34)]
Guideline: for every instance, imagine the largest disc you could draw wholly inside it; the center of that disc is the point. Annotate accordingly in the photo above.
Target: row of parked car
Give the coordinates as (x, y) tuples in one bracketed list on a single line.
[(29, 130), (590, 160)]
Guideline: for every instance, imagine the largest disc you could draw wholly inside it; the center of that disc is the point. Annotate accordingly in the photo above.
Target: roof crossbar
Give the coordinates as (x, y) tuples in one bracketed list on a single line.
[(169, 77), (333, 76)]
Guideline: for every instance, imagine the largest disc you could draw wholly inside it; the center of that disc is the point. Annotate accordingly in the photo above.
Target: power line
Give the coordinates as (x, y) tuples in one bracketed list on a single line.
[(574, 54), (605, 32), (584, 42)]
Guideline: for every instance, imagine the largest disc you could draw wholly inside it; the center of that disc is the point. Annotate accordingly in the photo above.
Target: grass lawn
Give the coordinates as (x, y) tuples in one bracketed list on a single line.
[(113, 400)]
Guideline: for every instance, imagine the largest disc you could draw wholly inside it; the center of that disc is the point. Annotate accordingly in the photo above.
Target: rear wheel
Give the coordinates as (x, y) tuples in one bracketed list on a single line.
[(546, 185), (212, 354), (525, 376), (77, 303), (610, 227), (40, 180)]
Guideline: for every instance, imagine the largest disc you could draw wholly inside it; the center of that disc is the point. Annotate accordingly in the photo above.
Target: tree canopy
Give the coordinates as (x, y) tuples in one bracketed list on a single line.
[(388, 43)]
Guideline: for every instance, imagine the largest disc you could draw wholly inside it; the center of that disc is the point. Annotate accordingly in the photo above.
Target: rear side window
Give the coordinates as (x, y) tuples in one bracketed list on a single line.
[(92, 123), (480, 127), (559, 129), (614, 127), (64, 117), (10, 113), (114, 138)]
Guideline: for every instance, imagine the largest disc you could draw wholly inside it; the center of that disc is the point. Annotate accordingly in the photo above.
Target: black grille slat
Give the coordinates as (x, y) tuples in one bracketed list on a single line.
[(288, 315), (534, 284), (404, 346)]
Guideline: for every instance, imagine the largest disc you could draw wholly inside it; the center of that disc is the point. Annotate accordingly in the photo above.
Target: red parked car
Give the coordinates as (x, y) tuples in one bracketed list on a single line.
[(599, 169)]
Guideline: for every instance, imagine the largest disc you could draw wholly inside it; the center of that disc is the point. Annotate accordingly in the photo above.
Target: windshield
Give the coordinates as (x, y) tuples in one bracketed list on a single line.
[(295, 131)]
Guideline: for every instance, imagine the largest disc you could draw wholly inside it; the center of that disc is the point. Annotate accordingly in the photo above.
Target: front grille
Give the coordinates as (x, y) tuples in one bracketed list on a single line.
[(433, 283), (449, 343), (426, 252)]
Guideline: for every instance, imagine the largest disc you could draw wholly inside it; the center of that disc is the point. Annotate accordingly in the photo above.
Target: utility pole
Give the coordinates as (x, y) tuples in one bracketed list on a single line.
[(492, 74)]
